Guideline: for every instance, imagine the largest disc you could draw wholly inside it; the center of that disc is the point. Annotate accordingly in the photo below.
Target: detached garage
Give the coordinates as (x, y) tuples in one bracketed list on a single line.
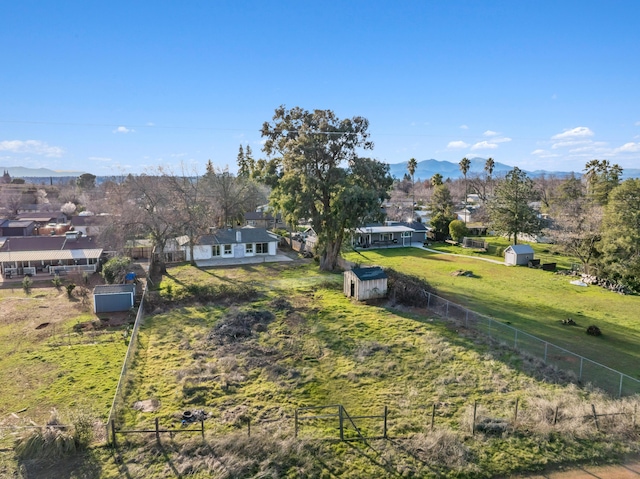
[(519, 254), (111, 298), (365, 283)]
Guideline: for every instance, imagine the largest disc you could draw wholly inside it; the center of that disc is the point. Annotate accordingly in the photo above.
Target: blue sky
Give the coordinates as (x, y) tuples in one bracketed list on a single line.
[(112, 87)]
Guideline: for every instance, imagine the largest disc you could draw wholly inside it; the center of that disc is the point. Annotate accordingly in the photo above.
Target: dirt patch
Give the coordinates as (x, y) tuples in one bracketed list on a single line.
[(148, 405)]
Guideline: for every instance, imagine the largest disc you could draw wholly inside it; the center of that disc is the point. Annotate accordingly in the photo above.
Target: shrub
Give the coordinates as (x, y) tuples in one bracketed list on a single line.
[(500, 251), (70, 288), (457, 230), (57, 282), (114, 270), (27, 283), (594, 331)]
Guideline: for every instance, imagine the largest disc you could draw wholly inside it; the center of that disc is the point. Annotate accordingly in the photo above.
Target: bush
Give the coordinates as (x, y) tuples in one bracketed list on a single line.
[(457, 230), (594, 331), (114, 270), (27, 283), (57, 282), (500, 251), (70, 288)]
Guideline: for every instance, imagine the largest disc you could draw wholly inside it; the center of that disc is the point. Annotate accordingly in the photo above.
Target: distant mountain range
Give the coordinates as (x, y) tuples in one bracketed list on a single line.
[(427, 168), (22, 172)]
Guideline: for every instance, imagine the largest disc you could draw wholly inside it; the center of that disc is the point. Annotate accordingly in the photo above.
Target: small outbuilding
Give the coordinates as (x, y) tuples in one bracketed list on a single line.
[(111, 298), (365, 283), (518, 254)]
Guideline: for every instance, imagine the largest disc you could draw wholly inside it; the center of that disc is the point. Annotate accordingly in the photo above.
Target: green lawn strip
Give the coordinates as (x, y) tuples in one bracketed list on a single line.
[(531, 300)]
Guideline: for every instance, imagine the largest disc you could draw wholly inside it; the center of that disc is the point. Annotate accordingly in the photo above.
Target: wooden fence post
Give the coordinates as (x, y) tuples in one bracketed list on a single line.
[(555, 416), (341, 419), (113, 432), (202, 427), (249, 427), (384, 430), (433, 415), (595, 417), (295, 427), (515, 414), (157, 431), (473, 426)]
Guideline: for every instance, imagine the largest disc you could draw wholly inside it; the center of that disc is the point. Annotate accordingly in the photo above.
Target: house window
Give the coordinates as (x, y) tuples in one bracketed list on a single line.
[(249, 248), (227, 249), (262, 248), (215, 250), (406, 234)]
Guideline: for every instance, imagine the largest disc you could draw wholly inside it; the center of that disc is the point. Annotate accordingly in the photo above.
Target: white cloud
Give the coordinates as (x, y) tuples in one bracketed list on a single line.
[(503, 139), (579, 132), (123, 129), (484, 145), (100, 158), (544, 154), (568, 143), (150, 123), (538, 152), (637, 123), (465, 127), (457, 144), (31, 146), (490, 133), (630, 147)]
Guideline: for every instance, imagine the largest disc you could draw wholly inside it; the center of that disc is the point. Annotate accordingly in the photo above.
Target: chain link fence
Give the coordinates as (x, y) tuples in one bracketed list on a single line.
[(118, 399), (582, 369)]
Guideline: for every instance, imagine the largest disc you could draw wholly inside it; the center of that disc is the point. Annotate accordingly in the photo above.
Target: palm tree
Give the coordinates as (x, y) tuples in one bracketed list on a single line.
[(465, 164), (489, 165), (411, 167)]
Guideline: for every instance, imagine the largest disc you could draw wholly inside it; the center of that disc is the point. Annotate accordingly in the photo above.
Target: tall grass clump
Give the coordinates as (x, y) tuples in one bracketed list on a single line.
[(55, 440)]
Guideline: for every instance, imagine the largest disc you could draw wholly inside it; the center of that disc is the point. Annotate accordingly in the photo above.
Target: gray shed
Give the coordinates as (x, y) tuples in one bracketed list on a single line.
[(519, 254), (365, 283), (111, 298)]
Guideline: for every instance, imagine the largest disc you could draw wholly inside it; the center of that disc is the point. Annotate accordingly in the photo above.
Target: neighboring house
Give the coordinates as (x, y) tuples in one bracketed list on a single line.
[(238, 243), (365, 283), (88, 225), (263, 219), (519, 254), (34, 255), (43, 218), (111, 298), (419, 230), (17, 227), (374, 236)]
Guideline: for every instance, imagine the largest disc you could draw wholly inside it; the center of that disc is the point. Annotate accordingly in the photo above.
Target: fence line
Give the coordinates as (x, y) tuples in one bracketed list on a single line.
[(584, 369), (128, 359)]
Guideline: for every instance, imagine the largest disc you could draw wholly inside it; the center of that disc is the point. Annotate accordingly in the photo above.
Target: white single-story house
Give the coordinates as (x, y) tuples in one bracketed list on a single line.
[(232, 243), (365, 283), (111, 298), (376, 236), (519, 254)]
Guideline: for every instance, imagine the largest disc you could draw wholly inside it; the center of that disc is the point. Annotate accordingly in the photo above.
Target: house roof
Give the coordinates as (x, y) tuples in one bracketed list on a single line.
[(383, 229), (47, 243), (16, 223), (50, 255), (415, 225), (247, 235), (114, 288), (369, 274), (520, 249), (40, 216)]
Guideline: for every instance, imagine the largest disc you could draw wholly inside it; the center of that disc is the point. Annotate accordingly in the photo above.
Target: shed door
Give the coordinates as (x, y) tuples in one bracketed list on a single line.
[(353, 289), (110, 303)]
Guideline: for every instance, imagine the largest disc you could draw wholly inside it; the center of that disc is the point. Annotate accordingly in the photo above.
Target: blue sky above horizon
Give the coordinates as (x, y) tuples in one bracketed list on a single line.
[(117, 87)]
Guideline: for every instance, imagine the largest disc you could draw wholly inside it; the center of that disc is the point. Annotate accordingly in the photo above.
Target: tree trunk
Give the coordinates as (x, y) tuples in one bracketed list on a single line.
[(329, 257)]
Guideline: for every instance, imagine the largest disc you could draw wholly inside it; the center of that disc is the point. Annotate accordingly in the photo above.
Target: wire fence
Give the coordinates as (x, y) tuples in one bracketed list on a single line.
[(582, 369), (118, 398)]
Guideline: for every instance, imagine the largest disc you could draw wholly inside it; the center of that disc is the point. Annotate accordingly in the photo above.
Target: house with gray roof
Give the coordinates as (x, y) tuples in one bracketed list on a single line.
[(231, 243), (519, 254)]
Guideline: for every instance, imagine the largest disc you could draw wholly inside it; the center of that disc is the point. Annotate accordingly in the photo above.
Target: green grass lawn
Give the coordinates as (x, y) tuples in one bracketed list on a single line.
[(531, 300), (54, 366), (320, 348)]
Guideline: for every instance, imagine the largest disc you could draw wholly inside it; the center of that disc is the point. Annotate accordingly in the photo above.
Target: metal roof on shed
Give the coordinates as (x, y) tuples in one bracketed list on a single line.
[(369, 274), (114, 288), (520, 249)]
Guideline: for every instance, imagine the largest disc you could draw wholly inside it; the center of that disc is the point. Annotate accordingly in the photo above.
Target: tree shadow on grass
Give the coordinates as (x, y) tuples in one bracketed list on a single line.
[(83, 464)]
